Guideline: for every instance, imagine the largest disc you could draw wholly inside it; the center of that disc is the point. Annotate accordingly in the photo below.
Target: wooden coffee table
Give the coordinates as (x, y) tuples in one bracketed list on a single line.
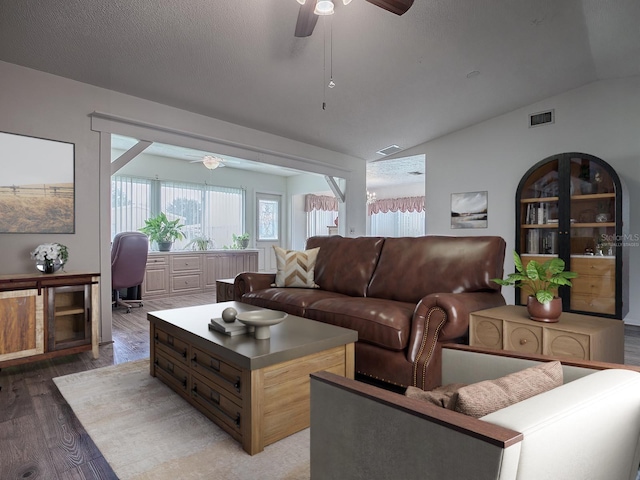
[(256, 390)]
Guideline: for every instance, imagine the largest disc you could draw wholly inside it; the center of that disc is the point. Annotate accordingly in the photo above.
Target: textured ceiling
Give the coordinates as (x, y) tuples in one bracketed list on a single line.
[(399, 80)]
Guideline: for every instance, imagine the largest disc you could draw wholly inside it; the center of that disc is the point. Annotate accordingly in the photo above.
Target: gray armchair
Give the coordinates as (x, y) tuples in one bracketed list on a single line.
[(128, 263), (589, 427)]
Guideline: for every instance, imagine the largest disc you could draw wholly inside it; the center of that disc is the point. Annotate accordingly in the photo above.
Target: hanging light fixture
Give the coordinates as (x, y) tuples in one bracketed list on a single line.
[(324, 7), (371, 197), (211, 162)]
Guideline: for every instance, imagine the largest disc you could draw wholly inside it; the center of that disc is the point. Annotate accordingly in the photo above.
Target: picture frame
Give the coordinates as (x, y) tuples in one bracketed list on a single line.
[(469, 209), (37, 187)]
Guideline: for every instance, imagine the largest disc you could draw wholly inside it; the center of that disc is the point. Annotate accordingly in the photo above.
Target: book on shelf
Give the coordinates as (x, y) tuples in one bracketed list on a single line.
[(231, 329)]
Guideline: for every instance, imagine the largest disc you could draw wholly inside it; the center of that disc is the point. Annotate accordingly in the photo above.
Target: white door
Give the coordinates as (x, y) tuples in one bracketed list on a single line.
[(268, 229)]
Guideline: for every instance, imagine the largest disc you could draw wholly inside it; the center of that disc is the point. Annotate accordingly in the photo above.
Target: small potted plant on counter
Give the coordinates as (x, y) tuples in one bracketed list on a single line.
[(541, 281), (200, 243)]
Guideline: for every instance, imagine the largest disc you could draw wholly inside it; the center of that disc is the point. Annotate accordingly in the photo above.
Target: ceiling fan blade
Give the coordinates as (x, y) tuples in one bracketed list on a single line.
[(306, 19), (398, 7)]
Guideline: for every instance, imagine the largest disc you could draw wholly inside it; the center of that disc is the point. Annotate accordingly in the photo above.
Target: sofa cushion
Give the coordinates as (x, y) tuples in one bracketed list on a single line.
[(295, 269), (482, 398), (411, 268), (345, 265), (293, 301), (384, 323)]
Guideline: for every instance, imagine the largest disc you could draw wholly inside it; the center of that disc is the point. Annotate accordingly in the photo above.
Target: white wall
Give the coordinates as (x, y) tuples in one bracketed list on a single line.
[(43, 105), (602, 119)]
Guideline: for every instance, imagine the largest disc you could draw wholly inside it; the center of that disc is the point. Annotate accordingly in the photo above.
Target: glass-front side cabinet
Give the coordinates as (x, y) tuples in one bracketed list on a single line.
[(572, 205)]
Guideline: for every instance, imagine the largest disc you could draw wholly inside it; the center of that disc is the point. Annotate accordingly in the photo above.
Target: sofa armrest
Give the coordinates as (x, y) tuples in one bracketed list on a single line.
[(251, 281), (361, 431), (441, 317)]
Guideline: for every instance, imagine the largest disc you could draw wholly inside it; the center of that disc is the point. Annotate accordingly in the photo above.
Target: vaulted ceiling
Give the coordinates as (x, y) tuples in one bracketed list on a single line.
[(402, 80)]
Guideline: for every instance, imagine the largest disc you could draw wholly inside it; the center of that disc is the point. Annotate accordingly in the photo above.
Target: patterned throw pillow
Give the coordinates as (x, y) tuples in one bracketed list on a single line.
[(294, 268)]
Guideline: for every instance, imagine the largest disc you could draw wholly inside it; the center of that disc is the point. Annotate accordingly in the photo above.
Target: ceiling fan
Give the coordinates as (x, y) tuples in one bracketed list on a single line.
[(311, 9), (210, 161)]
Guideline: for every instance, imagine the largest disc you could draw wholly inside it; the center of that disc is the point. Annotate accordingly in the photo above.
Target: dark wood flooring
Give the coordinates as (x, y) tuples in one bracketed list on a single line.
[(41, 438)]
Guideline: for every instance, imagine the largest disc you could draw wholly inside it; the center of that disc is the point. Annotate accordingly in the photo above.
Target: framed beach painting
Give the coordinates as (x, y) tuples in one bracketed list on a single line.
[(37, 189), (469, 210)]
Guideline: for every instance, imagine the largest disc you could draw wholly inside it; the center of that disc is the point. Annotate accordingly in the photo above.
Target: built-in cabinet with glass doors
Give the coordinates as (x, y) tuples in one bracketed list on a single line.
[(573, 206)]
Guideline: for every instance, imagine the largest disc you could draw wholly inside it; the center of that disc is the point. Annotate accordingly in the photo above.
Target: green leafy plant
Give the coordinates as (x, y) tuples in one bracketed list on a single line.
[(240, 242), (199, 243), (160, 229), (540, 280)]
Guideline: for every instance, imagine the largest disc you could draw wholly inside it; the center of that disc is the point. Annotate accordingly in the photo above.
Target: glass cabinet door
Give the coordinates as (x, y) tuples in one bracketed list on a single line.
[(593, 209), (593, 233), (69, 322), (538, 209)]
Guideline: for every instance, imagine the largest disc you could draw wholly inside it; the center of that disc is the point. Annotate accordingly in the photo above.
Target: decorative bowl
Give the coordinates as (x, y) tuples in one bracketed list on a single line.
[(261, 320)]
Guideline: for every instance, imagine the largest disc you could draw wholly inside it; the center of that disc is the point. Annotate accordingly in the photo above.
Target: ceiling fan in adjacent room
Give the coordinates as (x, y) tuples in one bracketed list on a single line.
[(210, 161), (311, 9)]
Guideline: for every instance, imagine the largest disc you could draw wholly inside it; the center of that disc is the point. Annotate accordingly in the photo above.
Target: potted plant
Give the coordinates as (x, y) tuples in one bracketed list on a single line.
[(200, 243), (240, 242), (541, 281), (163, 231)]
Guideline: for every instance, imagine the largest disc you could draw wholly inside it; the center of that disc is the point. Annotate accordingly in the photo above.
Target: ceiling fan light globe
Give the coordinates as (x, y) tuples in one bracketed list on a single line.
[(324, 7), (211, 162)]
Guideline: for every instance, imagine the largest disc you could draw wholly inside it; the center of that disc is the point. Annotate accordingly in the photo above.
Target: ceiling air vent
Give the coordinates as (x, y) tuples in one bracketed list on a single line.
[(391, 149), (542, 118)]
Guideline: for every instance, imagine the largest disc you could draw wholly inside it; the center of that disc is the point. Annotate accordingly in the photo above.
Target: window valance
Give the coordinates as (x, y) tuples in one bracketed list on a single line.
[(320, 202), (404, 204)]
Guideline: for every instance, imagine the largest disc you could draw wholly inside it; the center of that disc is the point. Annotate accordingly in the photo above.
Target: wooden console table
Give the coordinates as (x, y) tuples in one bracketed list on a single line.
[(48, 315), (578, 336)]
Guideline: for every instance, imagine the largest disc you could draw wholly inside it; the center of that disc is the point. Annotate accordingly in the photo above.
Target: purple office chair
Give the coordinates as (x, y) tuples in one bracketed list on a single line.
[(128, 264)]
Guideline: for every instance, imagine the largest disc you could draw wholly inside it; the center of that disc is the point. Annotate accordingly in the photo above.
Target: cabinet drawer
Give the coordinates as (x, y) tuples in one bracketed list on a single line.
[(486, 332), (216, 371), (172, 372), (599, 286), (591, 303), (523, 338), (185, 263), (593, 266), (156, 260), (217, 402), (563, 344), (171, 346), (182, 283)]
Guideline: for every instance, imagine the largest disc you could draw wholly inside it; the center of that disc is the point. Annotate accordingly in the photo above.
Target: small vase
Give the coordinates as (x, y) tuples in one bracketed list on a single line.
[(544, 312)]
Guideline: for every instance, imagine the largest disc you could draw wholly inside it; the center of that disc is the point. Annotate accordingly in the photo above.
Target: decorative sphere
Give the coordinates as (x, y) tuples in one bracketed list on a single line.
[(229, 315)]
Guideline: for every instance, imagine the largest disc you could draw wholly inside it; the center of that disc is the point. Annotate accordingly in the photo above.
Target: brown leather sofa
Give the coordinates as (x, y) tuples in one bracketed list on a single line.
[(404, 296)]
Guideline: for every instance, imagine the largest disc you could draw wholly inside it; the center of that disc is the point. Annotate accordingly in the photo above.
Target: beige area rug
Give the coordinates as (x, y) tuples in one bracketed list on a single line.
[(147, 431)]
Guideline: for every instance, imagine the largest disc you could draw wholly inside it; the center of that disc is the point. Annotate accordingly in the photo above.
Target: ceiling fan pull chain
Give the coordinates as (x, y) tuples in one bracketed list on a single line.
[(324, 66), (331, 82)]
